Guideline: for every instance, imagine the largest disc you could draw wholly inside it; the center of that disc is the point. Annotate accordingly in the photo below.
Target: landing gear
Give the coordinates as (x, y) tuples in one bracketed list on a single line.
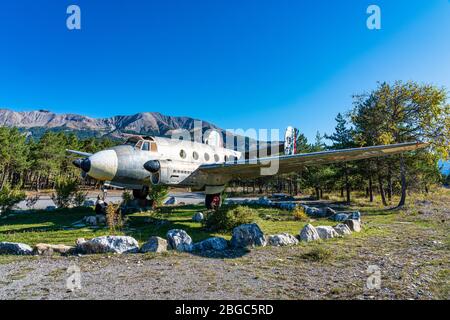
[(140, 194), (213, 201)]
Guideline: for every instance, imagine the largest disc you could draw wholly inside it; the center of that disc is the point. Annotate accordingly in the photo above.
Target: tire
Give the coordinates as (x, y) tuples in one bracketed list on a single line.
[(213, 201), (140, 193)]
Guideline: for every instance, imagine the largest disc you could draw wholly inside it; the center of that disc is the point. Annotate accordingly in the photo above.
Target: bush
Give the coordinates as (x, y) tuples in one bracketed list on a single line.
[(157, 194), (65, 189), (126, 197), (114, 217), (318, 254), (9, 197), (79, 198), (300, 214), (226, 218)]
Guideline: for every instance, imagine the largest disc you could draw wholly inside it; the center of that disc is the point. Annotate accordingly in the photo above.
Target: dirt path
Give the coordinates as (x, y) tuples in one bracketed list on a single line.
[(411, 252)]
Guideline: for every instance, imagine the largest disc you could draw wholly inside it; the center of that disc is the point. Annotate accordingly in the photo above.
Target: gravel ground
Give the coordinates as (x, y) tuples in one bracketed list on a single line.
[(411, 251)]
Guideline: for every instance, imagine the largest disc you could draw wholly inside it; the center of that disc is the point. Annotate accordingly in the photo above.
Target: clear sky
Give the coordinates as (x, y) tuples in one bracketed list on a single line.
[(237, 63)]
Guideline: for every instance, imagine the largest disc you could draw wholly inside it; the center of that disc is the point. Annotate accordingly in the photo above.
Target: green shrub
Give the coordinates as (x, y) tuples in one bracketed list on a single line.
[(318, 254), (65, 190), (227, 218), (9, 197), (157, 194), (126, 197), (79, 198)]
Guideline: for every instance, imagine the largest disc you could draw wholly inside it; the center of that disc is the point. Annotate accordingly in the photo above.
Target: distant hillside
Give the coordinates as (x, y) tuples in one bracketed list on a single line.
[(37, 122), (149, 123)]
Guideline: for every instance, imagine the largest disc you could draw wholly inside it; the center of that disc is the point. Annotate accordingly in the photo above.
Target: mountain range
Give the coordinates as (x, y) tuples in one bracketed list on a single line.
[(146, 123)]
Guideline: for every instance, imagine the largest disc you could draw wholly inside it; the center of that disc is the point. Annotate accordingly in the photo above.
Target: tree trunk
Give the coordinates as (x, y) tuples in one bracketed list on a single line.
[(317, 193), (380, 186), (389, 181), (370, 189), (403, 181)]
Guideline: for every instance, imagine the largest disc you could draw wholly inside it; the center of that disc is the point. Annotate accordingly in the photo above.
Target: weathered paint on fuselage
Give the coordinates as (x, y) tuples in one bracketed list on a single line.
[(123, 165)]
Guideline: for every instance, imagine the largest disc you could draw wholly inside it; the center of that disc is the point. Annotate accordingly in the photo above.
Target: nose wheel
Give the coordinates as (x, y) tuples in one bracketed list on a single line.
[(213, 201), (140, 194)]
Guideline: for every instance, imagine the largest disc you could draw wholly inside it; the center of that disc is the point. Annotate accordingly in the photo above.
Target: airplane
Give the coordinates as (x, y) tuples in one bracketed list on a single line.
[(145, 161)]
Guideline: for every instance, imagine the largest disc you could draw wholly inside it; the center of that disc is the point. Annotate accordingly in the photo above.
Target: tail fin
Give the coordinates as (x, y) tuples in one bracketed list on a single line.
[(290, 141)]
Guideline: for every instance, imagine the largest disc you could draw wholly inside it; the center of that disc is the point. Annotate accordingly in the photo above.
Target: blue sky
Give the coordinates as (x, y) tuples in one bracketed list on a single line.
[(239, 64)]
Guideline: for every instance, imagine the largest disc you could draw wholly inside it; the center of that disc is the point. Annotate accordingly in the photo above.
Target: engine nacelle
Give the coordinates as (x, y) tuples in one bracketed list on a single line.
[(168, 172)]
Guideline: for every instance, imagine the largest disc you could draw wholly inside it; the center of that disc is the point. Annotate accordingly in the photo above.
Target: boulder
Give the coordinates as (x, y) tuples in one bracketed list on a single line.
[(340, 217), (355, 216), (329, 211), (49, 249), (311, 211), (264, 201), (104, 244), (171, 201), (154, 244), (89, 203), (179, 240), (354, 225), (309, 233), (326, 232), (215, 243), (101, 219), (90, 220), (50, 208), (247, 235), (15, 248), (198, 217), (342, 229), (281, 240)]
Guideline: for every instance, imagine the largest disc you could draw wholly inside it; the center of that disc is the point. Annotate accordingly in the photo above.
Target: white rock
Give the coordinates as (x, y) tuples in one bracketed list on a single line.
[(15, 248), (104, 244), (342, 229), (309, 233), (90, 220), (248, 235), (179, 240), (326, 232), (284, 239), (198, 217), (171, 201), (340, 217), (214, 243), (154, 244), (354, 225)]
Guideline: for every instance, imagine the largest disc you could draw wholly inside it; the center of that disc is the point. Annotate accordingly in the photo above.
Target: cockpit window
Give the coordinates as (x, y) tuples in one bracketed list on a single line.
[(146, 146), (138, 145)]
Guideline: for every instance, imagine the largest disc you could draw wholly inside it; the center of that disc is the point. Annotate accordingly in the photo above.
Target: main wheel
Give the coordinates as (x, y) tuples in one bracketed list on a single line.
[(140, 194), (213, 201)]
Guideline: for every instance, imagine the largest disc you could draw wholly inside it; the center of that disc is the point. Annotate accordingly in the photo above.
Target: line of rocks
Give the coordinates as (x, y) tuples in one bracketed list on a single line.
[(244, 236)]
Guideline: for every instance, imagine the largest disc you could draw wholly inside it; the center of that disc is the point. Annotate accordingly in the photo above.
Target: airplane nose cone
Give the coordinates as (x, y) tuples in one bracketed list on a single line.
[(83, 164), (101, 165)]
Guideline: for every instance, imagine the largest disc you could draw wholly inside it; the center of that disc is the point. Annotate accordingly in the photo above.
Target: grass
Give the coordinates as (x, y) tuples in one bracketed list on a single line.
[(56, 227)]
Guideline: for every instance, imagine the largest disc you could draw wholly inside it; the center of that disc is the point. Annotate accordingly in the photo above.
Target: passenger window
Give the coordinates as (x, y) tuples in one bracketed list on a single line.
[(225, 158), (206, 156), (146, 146), (195, 155), (182, 154), (216, 158)]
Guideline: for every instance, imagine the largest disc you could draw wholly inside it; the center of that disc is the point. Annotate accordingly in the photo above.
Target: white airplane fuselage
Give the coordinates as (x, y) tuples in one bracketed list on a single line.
[(176, 162)]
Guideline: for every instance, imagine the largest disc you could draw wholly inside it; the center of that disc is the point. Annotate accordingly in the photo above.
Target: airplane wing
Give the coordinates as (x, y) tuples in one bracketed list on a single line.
[(253, 168), (80, 153)]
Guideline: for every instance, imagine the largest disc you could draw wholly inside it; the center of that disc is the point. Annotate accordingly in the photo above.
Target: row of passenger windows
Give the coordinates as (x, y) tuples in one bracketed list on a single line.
[(206, 156), (182, 171)]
